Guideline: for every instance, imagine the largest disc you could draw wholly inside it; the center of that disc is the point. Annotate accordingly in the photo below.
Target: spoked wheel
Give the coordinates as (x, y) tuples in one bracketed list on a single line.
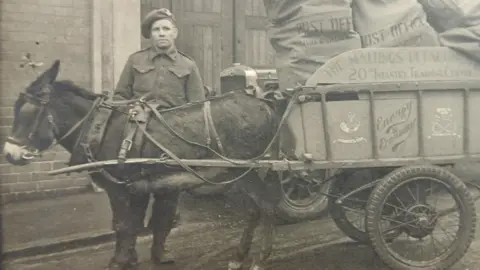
[(349, 216), (303, 196), (423, 202)]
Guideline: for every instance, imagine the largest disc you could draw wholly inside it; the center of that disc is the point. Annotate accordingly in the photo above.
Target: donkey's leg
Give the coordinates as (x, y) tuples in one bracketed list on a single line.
[(128, 213), (247, 237), (268, 231), (164, 211)]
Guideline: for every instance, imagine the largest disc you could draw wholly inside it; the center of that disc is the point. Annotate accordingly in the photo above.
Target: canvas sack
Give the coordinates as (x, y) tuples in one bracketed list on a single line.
[(458, 22), (392, 23), (306, 34)]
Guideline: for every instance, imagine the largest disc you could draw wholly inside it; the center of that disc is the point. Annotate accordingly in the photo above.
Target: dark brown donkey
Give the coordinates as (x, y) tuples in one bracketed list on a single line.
[(51, 111)]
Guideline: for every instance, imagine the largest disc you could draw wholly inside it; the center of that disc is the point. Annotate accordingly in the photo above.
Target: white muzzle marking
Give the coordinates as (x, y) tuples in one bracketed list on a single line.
[(16, 152)]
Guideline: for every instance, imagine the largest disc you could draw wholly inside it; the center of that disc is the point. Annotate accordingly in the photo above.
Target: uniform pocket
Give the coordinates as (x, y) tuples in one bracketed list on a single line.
[(179, 71), (143, 68), (144, 77)]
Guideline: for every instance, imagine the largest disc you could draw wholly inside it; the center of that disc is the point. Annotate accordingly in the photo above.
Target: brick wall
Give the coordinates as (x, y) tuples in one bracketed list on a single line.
[(49, 29)]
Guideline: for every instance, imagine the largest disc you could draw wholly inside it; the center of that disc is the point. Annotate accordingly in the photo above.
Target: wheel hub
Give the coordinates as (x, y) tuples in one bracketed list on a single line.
[(303, 189), (421, 220)]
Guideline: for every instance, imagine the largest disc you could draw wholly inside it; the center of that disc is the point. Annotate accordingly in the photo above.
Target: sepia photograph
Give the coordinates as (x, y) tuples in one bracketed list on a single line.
[(239, 134)]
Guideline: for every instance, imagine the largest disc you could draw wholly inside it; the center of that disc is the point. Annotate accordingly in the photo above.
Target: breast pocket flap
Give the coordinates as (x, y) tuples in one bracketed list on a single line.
[(143, 68), (179, 71)]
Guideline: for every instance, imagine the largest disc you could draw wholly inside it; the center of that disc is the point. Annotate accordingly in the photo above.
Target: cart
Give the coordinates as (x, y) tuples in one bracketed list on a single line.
[(400, 116)]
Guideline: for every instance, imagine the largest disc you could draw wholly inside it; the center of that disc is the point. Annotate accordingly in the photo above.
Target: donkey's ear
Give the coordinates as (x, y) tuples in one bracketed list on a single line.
[(52, 72)]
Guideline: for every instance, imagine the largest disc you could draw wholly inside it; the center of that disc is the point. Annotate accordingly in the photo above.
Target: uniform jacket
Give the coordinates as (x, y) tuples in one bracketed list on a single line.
[(172, 77)]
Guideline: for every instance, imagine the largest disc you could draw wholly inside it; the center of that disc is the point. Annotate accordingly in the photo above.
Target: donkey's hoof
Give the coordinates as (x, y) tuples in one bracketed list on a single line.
[(234, 265), (162, 260)]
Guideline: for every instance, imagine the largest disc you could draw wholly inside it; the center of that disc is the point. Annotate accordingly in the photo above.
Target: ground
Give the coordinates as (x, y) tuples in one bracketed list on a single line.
[(209, 232)]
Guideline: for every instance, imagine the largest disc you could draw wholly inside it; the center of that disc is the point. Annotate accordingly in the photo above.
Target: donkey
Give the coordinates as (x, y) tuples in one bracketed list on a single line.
[(48, 112)]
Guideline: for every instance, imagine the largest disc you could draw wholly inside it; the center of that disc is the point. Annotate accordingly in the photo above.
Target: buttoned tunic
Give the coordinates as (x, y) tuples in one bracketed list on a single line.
[(171, 76)]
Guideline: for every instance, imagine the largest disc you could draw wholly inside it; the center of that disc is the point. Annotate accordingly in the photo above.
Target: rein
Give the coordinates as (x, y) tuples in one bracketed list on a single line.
[(207, 106), (43, 104), (209, 126)]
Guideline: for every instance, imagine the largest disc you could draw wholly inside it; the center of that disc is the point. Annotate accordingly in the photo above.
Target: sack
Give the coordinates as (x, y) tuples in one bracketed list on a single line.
[(282, 10), (392, 23), (458, 22), (447, 14), (306, 34)]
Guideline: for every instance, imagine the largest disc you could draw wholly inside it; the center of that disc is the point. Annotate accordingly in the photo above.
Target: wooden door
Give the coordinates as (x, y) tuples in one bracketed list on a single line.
[(206, 35), (252, 46)]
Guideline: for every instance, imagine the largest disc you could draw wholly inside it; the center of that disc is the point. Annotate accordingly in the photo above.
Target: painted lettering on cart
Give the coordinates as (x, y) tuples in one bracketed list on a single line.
[(404, 65), (394, 129)]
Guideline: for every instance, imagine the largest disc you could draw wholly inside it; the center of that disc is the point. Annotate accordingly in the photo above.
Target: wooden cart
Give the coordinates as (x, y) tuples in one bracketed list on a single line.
[(399, 116)]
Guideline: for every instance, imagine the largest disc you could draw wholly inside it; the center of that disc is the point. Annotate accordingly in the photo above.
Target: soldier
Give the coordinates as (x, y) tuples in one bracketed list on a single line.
[(170, 75), (172, 78)]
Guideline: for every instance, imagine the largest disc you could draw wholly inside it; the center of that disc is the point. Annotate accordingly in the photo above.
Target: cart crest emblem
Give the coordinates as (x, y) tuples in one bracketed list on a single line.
[(443, 125), (351, 125)]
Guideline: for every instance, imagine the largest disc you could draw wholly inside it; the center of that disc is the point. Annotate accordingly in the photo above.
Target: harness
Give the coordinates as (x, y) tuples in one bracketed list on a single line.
[(139, 113), (43, 104), (95, 123)]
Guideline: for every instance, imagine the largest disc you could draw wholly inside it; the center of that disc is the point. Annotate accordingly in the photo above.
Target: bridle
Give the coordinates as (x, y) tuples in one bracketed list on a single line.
[(44, 109)]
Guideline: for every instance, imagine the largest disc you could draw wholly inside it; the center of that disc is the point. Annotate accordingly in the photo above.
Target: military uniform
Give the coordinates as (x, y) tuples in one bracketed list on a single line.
[(172, 77)]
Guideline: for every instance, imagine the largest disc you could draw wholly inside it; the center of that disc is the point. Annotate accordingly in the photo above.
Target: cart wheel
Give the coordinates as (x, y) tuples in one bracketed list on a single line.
[(415, 199), (352, 225), (350, 215), (303, 199)]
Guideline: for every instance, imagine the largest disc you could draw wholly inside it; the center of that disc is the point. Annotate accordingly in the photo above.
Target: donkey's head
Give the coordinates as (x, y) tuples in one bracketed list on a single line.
[(33, 129)]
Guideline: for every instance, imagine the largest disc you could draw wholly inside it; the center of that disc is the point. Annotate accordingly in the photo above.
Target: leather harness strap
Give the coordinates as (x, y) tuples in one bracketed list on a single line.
[(210, 126), (138, 116), (174, 157)]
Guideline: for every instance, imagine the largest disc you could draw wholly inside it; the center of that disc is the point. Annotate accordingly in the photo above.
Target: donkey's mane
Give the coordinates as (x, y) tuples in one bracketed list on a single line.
[(69, 86)]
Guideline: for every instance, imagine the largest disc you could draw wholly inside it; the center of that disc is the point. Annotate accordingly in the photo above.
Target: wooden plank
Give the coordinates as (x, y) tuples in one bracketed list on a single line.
[(227, 38), (239, 31), (259, 23), (202, 18), (161, 4), (208, 55), (189, 162), (197, 5), (217, 59), (198, 48), (96, 40), (177, 7), (107, 45), (280, 165), (258, 49), (187, 47), (260, 8), (207, 6), (217, 5), (248, 9)]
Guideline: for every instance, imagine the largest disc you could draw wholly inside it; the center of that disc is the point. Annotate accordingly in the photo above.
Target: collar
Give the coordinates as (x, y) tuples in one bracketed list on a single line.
[(170, 53)]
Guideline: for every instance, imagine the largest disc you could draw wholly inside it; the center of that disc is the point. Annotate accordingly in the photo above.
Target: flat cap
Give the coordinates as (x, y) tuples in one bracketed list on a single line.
[(153, 16)]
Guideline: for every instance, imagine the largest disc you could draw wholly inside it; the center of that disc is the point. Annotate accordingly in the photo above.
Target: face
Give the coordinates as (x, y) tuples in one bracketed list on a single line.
[(163, 34), (33, 129)]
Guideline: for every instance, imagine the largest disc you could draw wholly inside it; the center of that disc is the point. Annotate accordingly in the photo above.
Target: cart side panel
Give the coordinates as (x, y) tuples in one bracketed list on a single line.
[(349, 126), (474, 121), (314, 132), (412, 104), (293, 135), (443, 114), (396, 124), (408, 123)]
